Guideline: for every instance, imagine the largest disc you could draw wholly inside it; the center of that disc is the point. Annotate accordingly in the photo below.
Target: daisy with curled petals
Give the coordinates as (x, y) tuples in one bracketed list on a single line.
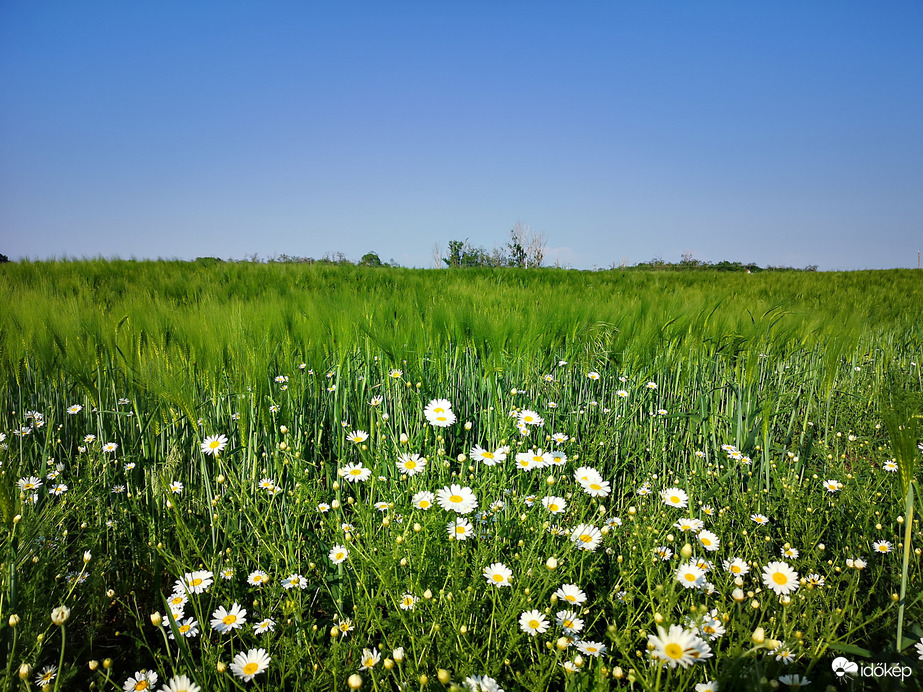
[(338, 554), (110, 447), (794, 681), (760, 519), (919, 647), (558, 458), (257, 578), (677, 647), (294, 581), (369, 658), (142, 680), (832, 486), (485, 456), (882, 547), (225, 620), (571, 593), (889, 466), (663, 552), (248, 665), (790, 552), (214, 444), (180, 683), (29, 483), (568, 621), (689, 524), (533, 622), (587, 474), (355, 472), (586, 537), (195, 582), (736, 566), (188, 628), (408, 601), (498, 575), (264, 625), (589, 648), (75, 409), (560, 438), (674, 497), (710, 686), (411, 464), (460, 529), (709, 540), (690, 576), (595, 488), (780, 577), (357, 436), (554, 504), (457, 499), (423, 500), (593, 375)]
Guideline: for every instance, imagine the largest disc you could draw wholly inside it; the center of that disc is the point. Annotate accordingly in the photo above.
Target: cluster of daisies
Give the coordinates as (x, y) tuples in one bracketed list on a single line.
[(224, 620)]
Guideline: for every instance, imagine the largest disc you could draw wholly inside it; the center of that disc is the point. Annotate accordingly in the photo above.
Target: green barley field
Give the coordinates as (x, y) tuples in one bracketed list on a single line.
[(230, 476)]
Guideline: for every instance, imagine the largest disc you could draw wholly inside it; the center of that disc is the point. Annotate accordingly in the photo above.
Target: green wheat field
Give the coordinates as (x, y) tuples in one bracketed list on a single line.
[(229, 476)]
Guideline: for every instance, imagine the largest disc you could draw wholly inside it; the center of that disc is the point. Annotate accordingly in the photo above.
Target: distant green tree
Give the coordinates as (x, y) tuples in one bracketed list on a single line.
[(4, 258), (370, 259)]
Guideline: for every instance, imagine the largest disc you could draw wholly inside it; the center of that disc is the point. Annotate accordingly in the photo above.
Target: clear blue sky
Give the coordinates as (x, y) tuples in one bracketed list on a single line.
[(783, 132)]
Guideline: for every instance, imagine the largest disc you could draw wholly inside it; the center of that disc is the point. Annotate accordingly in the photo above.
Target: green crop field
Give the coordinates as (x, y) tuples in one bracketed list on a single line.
[(289, 477)]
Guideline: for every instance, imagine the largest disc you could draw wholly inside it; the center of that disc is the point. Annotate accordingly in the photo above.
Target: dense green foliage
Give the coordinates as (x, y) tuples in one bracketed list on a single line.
[(791, 369)]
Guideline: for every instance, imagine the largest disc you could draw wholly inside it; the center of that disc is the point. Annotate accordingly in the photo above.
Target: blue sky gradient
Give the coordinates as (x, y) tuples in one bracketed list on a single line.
[(783, 133)]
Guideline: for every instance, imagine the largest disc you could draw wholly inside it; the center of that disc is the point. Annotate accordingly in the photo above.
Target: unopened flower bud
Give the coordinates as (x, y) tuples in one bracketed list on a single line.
[(758, 636), (25, 670), (14, 620), (551, 563), (443, 676), (354, 681)]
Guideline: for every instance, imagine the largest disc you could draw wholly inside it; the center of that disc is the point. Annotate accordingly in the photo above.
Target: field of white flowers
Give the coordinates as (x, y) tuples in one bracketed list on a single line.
[(449, 521)]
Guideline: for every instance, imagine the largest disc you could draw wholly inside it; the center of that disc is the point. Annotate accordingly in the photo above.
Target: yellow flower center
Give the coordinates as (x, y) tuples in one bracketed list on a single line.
[(595, 486), (195, 582), (708, 629), (705, 540), (251, 668), (735, 569), (488, 455), (780, 578), (455, 498), (410, 465), (229, 619), (553, 507), (537, 459), (689, 576), (141, 685), (184, 628), (674, 651), (424, 504), (570, 599), (674, 499), (356, 472), (568, 623), (460, 529), (498, 577), (534, 624), (214, 444), (340, 556), (586, 538)]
